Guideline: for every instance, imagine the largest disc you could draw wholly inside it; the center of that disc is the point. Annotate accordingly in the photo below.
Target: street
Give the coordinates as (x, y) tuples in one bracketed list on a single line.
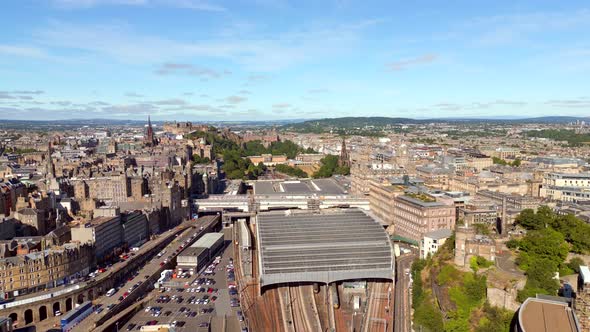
[(403, 293)]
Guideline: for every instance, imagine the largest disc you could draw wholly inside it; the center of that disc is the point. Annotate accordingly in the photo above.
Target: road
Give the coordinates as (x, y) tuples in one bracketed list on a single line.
[(402, 304), (145, 272), (221, 315), (144, 250)]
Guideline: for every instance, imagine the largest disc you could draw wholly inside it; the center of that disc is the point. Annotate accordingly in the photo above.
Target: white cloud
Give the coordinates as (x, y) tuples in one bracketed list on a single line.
[(119, 42), (185, 4), (507, 29), (411, 62), (24, 51)]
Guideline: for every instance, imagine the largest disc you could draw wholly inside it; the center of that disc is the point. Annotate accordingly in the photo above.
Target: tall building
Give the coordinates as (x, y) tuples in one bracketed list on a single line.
[(418, 214), (45, 268), (149, 136), (381, 200), (344, 157), (106, 233), (50, 168)]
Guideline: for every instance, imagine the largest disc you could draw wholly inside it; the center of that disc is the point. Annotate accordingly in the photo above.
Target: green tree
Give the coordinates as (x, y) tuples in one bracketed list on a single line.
[(293, 171), (200, 160), (494, 320), (499, 161), (428, 318), (512, 244), (528, 219), (329, 166), (575, 263)]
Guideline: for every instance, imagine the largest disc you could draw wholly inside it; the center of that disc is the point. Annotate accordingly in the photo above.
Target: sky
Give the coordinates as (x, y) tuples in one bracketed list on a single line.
[(292, 59)]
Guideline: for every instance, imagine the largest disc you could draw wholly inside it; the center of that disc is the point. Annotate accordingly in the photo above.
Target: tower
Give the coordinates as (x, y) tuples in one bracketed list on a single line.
[(503, 221), (462, 234), (149, 137), (50, 168), (344, 157)]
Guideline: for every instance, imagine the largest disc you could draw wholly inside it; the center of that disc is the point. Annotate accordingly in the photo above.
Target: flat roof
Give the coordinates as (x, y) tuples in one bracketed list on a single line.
[(327, 247), (192, 251), (99, 221), (420, 202), (439, 234), (541, 315), (299, 187), (207, 240)]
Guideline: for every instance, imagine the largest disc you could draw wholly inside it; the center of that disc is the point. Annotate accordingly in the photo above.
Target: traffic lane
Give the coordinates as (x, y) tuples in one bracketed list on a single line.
[(190, 323), (148, 269), (402, 292), (221, 306), (171, 311), (223, 303)]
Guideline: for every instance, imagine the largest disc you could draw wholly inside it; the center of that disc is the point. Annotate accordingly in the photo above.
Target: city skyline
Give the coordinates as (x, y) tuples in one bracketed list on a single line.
[(216, 61)]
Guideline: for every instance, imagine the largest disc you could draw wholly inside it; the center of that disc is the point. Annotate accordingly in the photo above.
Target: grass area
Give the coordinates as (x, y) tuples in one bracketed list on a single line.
[(461, 304), (422, 197)]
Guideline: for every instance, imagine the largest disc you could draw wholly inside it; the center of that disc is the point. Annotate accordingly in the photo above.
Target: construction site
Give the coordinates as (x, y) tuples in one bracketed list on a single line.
[(314, 271)]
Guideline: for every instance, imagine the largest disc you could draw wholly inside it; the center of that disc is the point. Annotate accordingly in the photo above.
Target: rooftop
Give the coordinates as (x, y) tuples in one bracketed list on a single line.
[(99, 221), (192, 251), (541, 315), (306, 247), (418, 201), (439, 234), (207, 240), (302, 187)]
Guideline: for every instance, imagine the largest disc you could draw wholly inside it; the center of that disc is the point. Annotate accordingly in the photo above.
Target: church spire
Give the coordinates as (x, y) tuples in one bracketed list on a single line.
[(149, 137), (50, 166), (344, 159)]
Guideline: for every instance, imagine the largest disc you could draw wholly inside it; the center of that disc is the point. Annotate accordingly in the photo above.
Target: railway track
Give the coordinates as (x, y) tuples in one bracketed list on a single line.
[(263, 312), (301, 322), (322, 309)]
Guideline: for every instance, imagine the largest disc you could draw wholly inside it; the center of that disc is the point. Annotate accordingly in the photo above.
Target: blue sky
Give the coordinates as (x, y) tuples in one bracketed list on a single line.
[(277, 59)]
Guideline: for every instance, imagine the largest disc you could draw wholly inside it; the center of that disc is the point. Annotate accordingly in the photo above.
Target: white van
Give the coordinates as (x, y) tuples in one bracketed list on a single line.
[(111, 292)]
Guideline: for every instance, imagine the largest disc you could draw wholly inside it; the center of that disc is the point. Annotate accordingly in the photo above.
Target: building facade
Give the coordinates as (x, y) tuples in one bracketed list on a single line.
[(44, 269), (105, 233), (416, 216), (432, 241)]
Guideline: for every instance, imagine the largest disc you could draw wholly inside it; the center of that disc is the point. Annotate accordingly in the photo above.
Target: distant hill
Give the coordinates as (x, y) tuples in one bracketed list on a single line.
[(351, 124), (359, 123), (76, 123)]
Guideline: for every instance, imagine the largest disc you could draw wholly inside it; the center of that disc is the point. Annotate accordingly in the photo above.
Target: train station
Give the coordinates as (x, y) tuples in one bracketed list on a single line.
[(322, 247)]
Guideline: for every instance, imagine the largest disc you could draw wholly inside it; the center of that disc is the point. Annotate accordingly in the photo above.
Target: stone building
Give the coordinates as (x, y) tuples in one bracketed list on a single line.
[(381, 197), (115, 188), (268, 159), (45, 268), (513, 201), (417, 214), (471, 214), (35, 218), (436, 177), (105, 233), (361, 175), (469, 244), (135, 228)]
